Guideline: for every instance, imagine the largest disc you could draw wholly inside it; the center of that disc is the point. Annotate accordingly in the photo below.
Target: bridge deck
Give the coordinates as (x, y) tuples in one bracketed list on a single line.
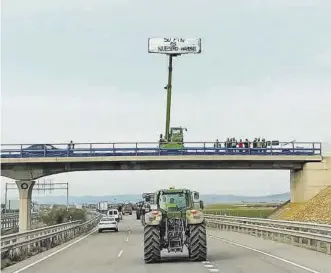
[(85, 150), (167, 158)]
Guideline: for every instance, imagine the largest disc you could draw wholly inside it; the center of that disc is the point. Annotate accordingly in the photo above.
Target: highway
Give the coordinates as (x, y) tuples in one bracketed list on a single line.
[(228, 252)]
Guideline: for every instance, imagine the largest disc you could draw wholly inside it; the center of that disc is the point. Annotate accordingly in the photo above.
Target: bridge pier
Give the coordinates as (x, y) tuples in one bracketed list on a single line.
[(25, 194), (311, 180)]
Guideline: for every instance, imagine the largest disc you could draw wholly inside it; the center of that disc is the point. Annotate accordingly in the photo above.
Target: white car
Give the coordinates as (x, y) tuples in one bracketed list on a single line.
[(107, 223), (114, 213)]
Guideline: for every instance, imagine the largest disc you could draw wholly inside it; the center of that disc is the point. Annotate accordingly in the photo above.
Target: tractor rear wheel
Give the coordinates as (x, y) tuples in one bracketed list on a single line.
[(198, 243), (152, 244)]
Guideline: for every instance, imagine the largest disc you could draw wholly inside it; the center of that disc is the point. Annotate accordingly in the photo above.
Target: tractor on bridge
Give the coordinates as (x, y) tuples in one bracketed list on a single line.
[(176, 221), (174, 136)]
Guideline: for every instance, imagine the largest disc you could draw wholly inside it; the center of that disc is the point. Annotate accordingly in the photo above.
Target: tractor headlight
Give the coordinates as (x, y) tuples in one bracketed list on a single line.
[(154, 215)]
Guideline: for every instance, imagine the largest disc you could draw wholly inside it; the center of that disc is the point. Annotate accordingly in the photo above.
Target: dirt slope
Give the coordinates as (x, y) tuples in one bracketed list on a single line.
[(317, 209)]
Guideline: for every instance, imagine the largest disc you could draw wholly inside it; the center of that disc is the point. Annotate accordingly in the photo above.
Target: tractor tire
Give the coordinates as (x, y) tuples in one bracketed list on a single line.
[(198, 243), (152, 244)]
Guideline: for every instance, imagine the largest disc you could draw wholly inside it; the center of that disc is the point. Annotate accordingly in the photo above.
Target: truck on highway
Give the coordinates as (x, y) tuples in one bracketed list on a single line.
[(127, 209), (102, 207)]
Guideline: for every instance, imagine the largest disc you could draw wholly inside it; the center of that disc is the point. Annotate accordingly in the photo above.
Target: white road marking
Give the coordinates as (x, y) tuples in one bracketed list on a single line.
[(265, 253), (209, 266), (52, 254), (127, 239), (120, 254)]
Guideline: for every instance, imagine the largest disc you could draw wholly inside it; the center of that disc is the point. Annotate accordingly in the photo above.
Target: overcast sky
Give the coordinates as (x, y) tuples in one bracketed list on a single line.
[(79, 70)]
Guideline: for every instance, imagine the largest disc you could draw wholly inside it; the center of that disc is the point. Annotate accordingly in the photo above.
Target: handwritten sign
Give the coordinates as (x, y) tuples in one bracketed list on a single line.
[(172, 45)]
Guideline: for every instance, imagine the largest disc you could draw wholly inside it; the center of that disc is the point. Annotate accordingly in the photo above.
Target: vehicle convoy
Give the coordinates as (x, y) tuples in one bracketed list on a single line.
[(176, 220)]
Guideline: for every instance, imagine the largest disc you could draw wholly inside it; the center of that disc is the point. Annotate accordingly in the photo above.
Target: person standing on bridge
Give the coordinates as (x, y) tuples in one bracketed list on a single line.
[(240, 146), (71, 145), (246, 145)]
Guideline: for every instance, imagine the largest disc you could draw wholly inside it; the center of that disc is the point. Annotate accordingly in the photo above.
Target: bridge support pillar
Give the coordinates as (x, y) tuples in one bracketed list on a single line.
[(311, 180), (25, 194)]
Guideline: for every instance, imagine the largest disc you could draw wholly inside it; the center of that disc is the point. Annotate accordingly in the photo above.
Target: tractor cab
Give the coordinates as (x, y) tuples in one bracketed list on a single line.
[(177, 201), (177, 134), (175, 138), (171, 201)]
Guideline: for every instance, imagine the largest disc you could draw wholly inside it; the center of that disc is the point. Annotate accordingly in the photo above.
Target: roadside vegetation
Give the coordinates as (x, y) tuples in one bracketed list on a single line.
[(256, 210), (58, 215)]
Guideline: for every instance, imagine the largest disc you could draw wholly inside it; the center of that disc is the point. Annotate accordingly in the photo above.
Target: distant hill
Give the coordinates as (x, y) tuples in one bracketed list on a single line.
[(207, 198)]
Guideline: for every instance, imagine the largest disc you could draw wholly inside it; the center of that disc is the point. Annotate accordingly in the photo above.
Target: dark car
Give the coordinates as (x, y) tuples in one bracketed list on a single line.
[(40, 150)]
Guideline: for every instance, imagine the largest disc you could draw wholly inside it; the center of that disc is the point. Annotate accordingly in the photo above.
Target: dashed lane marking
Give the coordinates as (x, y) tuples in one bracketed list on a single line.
[(120, 254), (127, 239), (209, 266)]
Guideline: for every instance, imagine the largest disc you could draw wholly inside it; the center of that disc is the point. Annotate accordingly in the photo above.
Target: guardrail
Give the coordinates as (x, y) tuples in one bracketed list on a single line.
[(16, 246), (154, 149), (309, 235)]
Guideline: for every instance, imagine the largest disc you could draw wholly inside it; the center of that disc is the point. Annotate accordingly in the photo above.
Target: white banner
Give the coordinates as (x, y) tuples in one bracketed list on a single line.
[(174, 45)]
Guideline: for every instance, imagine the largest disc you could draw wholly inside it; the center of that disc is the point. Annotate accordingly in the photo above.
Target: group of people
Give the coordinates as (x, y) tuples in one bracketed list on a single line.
[(234, 143)]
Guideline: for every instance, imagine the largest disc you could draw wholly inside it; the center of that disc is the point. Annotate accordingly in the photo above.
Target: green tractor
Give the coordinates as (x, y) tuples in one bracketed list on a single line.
[(176, 220), (175, 139)]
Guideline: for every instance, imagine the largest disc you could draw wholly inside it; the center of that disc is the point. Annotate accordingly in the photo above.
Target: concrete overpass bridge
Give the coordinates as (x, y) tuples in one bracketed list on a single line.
[(310, 171)]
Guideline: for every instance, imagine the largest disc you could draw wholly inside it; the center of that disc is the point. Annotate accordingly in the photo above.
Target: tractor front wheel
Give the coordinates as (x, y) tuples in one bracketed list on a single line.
[(198, 243), (152, 244)]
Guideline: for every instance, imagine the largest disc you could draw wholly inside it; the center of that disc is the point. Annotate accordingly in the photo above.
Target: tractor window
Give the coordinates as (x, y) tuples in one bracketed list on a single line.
[(179, 200), (176, 131)]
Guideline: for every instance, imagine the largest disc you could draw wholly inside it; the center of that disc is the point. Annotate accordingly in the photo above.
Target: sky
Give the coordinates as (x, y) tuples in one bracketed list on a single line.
[(80, 70)]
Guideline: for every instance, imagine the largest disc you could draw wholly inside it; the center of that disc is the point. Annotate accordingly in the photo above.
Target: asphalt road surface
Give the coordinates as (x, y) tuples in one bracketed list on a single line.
[(122, 252)]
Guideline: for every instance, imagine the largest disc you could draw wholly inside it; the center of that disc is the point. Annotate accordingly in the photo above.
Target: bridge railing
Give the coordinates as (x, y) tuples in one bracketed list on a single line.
[(154, 149), (308, 235), (10, 220), (19, 245)]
